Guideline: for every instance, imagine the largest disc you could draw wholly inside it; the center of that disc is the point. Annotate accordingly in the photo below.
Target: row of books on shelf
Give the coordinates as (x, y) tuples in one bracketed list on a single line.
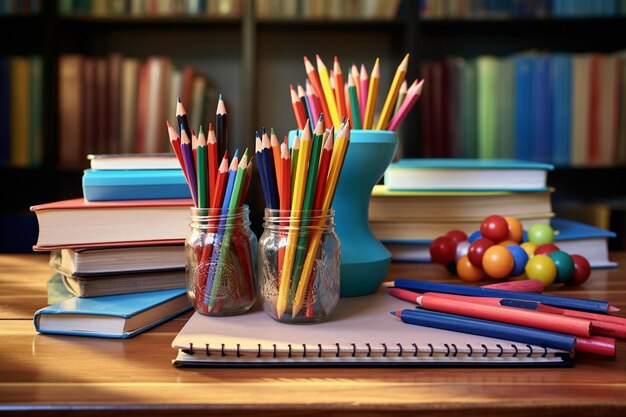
[(561, 108), (328, 9), (511, 9), (21, 111), (116, 104), (20, 7), (145, 8), (426, 198)]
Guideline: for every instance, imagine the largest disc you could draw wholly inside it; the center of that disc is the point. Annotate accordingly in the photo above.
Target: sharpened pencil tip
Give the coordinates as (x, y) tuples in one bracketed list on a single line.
[(613, 309), (396, 313), (220, 97)]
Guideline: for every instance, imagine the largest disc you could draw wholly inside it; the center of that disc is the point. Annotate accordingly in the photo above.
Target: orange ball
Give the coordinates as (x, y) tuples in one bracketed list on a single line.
[(516, 229), (498, 262), (467, 271), (506, 243)]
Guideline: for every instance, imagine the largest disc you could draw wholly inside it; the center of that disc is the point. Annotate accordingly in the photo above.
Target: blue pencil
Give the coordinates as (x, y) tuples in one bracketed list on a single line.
[(551, 300), (538, 337), (217, 243), (268, 160), (261, 164)]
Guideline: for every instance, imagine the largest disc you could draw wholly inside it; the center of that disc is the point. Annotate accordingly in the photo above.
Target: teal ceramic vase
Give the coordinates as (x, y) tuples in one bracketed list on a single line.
[(364, 260)]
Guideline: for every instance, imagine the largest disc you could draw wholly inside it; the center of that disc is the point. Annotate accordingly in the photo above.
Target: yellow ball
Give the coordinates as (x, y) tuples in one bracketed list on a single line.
[(543, 268), (529, 247)]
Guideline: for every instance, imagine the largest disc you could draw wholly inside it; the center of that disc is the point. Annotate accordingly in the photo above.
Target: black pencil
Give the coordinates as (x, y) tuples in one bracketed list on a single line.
[(181, 117), (221, 119)]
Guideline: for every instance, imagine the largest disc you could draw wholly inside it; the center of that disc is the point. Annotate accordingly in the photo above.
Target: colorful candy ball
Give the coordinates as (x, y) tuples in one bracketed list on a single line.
[(520, 258), (443, 250), (457, 235), (541, 234), (541, 267), (529, 248), (582, 270), (494, 227), (546, 249), (461, 249), (474, 236), (477, 249), (467, 271), (498, 262), (564, 266), (516, 229)]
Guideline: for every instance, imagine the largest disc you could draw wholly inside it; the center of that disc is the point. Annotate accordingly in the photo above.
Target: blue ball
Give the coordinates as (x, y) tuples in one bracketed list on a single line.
[(520, 258), (474, 236), (525, 236)]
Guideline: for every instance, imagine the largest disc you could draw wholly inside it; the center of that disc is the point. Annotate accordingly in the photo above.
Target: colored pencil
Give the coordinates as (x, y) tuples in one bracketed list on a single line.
[(212, 156), (201, 169), (413, 95), (372, 93), (551, 300), (526, 285), (185, 148), (314, 78), (275, 146), (307, 204), (175, 143), (327, 91), (181, 117), (258, 147), (299, 181), (217, 195), (401, 96), (339, 88), (336, 162), (305, 102), (354, 105), (392, 94), (354, 73), (285, 199), (295, 149), (298, 109), (313, 101), (268, 160), (194, 148), (221, 124), (364, 81)]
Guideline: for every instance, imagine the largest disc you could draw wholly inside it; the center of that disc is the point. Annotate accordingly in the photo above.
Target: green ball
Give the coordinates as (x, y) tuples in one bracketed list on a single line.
[(541, 234), (564, 266)]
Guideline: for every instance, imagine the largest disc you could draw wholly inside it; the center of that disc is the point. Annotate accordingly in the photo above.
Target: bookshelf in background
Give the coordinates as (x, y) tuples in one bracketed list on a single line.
[(245, 50)]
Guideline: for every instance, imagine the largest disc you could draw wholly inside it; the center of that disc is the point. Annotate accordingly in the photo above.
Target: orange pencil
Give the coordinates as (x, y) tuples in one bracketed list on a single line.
[(317, 86), (392, 95), (372, 93), (298, 108), (275, 144)]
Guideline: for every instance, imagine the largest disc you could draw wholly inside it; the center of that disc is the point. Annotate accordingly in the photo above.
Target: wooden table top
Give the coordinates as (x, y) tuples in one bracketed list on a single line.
[(65, 375)]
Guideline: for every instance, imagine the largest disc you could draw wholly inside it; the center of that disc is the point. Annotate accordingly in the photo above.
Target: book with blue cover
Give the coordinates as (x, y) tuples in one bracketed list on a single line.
[(574, 237), (134, 184), (467, 174), (114, 316)]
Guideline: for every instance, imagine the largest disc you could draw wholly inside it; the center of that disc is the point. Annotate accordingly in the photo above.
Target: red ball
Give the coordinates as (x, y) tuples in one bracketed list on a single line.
[(457, 235), (495, 228), (443, 250), (477, 249), (582, 270), (546, 249)]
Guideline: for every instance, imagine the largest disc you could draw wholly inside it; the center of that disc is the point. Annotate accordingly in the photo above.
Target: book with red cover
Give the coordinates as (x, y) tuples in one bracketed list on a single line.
[(78, 223)]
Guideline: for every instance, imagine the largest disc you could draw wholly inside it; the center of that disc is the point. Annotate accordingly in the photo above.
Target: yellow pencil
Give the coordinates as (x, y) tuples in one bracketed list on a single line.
[(297, 198), (340, 149), (392, 95), (372, 92), (328, 91)]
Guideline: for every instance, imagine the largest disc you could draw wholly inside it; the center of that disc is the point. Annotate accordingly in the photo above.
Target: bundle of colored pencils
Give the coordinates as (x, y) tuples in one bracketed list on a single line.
[(329, 94), (219, 190), (298, 182)]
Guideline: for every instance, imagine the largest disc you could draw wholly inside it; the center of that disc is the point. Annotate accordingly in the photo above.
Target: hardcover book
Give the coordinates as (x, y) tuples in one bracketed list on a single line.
[(134, 184)]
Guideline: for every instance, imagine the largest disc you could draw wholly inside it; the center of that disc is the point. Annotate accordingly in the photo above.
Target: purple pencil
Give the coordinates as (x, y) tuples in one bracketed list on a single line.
[(185, 148)]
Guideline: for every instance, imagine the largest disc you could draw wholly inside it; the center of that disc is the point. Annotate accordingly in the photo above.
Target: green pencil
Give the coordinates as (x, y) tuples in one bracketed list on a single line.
[(354, 104), (201, 169)]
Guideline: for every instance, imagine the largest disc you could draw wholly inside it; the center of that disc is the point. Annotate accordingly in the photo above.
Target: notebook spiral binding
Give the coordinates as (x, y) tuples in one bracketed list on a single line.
[(451, 350)]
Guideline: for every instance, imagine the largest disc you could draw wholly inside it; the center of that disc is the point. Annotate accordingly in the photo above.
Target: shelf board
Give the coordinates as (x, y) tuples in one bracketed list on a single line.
[(162, 22), (346, 24)]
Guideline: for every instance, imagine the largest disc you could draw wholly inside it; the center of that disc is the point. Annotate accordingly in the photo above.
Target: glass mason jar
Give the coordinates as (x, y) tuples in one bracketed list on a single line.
[(221, 261), (299, 265)]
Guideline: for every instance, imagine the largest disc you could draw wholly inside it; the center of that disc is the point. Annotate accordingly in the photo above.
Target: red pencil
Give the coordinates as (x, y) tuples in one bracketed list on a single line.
[(220, 183), (322, 173), (175, 142), (524, 285), (311, 73), (298, 109), (339, 89)]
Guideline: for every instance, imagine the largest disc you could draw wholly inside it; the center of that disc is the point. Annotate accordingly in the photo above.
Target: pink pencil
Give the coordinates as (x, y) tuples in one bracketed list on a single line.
[(412, 95), (313, 100), (364, 80), (524, 285)]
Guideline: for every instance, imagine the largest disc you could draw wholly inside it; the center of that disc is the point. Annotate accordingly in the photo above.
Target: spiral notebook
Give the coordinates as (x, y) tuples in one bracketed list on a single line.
[(362, 332)]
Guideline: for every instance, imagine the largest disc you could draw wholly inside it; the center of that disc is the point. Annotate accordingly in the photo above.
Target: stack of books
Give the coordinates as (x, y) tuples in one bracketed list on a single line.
[(119, 251), (422, 199)]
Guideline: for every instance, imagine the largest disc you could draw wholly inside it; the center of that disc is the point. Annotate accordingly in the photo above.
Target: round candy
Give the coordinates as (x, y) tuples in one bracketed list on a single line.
[(541, 267), (516, 230), (467, 271), (461, 249), (495, 228), (442, 250), (498, 261), (474, 236), (477, 249), (582, 270), (564, 266), (541, 234), (506, 243), (457, 235), (520, 258), (529, 247), (546, 249), (525, 236)]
